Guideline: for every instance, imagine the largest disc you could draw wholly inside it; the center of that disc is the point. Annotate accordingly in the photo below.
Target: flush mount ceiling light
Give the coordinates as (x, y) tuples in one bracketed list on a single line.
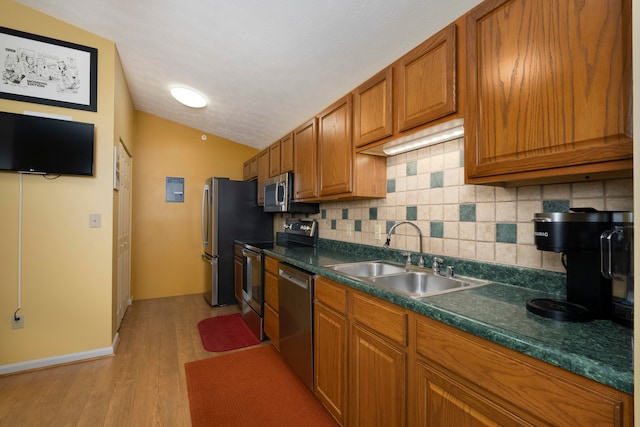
[(189, 97), (433, 135)]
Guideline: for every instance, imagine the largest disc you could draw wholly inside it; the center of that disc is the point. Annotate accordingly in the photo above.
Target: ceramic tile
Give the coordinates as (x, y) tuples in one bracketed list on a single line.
[(437, 179), (391, 185), (587, 189), (468, 212), (412, 168), (506, 211), (506, 233), (556, 191), (556, 205)]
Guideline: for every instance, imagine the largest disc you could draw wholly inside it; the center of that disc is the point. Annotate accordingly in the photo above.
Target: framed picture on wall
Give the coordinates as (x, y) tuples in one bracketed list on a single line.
[(47, 71)]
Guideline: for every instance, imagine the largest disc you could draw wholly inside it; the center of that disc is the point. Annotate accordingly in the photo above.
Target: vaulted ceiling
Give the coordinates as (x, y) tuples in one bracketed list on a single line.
[(265, 65)]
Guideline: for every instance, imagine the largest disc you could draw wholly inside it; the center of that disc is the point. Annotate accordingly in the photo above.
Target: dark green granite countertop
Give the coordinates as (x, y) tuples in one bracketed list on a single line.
[(600, 350)]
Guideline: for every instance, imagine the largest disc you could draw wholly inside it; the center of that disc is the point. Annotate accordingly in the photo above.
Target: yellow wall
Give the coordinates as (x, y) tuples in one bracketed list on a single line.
[(166, 236), (66, 266)]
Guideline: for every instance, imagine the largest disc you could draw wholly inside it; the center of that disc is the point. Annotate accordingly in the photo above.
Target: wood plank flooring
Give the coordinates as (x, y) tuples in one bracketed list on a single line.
[(143, 385)]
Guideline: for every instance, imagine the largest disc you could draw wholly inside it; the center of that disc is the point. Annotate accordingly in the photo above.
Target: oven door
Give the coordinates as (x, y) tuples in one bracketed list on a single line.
[(252, 289)]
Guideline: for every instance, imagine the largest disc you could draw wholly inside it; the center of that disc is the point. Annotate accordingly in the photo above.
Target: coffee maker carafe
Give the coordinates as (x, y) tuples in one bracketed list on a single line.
[(578, 235)]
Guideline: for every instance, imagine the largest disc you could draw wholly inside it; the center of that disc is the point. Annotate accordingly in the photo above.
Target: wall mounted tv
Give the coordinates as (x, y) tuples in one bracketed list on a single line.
[(44, 145)]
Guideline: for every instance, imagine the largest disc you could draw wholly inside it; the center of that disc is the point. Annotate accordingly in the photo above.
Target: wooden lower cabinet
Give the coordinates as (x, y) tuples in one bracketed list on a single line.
[(442, 401), (330, 356), (377, 380), (271, 305), (465, 380), (330, 347), (377, 364)]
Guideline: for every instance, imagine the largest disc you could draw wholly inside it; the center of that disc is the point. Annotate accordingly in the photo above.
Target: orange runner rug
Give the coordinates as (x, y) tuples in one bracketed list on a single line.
[(248, 388)]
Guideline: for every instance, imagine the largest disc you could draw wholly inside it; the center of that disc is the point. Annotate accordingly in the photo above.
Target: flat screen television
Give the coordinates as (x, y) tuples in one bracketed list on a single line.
[(44, 145)]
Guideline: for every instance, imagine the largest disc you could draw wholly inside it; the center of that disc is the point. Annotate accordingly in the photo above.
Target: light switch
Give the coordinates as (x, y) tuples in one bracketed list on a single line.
[(94, 220)]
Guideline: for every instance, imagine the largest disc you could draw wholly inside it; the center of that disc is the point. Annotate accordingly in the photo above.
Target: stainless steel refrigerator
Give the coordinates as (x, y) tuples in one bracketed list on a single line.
[(229, 212)]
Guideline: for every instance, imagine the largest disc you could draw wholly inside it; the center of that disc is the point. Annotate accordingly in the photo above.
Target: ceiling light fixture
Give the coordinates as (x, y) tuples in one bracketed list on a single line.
[(433, 135), (189, 97)]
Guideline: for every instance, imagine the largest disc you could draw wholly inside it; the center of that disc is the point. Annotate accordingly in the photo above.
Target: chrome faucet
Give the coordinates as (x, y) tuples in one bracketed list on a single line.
[(386, 245)]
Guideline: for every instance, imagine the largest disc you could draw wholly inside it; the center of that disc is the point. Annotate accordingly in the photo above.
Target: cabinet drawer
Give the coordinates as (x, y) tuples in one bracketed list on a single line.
[(331, 294), (271, 265), (529, 386), (271, 290), (384, 318)]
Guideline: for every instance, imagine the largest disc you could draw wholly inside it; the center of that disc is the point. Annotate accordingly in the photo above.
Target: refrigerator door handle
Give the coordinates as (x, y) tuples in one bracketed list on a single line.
[(205, 216)]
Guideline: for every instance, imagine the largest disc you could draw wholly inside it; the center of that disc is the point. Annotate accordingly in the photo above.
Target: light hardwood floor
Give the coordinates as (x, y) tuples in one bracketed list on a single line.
[(143, 385)]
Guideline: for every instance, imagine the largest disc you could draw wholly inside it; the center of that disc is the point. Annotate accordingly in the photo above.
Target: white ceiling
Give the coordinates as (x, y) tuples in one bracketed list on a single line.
[(266, 66)]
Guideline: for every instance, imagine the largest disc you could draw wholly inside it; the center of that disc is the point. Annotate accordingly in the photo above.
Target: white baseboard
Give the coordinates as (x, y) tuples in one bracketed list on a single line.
[(60, 360)]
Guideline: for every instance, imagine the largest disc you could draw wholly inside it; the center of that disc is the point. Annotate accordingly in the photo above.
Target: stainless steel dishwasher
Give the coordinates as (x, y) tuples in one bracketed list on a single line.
[(295, 293)]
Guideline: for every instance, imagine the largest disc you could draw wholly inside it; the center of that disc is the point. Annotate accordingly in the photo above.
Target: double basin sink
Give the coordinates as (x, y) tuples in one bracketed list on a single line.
[(410, 281)]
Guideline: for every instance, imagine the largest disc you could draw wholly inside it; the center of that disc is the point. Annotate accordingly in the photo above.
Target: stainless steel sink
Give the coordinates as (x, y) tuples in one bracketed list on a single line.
[(410, 281), (418, 284), (367, 269)]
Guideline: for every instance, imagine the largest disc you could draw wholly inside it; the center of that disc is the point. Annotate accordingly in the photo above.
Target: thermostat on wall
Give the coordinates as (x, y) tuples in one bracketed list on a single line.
[(174, 189)]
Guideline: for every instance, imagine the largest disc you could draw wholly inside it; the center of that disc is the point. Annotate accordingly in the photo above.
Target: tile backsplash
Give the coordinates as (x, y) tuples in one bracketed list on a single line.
[(477, 222)]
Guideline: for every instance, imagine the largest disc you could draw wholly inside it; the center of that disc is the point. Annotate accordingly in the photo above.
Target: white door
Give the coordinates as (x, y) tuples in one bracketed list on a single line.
[(123, 175)]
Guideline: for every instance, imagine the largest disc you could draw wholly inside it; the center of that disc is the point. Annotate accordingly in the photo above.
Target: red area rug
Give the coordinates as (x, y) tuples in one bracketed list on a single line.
[(252, 387), (224, 333)]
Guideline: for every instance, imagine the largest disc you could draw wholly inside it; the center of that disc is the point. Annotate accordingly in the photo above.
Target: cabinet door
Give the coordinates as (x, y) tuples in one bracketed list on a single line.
[(271, 302), (271, 289), (373, 109), (335, 148), (305, 166), (274, 159), (263, 173), (250, 169), (246, 170), (441, 401), (286, 154), (330, 360), (549, 86), (426, 81), (377, 381), (272, 325)]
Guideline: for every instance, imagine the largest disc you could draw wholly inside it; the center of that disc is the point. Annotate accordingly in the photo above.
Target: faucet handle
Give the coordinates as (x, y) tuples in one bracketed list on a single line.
[(408, 255), (450, 269), (437, 261)]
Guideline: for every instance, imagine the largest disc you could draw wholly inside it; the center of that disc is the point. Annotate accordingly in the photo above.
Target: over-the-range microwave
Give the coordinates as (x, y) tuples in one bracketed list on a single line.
[(278, 196)]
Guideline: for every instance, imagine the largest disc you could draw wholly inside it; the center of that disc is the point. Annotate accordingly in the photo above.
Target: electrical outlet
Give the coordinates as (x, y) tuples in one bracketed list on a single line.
[(378, 232), (17, 322)]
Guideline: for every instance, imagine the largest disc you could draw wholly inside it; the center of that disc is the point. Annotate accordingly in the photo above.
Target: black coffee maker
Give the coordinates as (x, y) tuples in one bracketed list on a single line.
[(577, 234)]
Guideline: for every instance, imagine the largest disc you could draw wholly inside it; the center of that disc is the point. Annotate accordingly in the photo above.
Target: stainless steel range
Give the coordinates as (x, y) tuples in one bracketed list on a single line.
[(297, 232)]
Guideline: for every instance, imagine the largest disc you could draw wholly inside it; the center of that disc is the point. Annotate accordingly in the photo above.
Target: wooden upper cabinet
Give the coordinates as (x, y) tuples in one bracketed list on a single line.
[(335, 148), (373, 109), (250, 169), (549, 91), (286, 153), (274, 159), (305, 139), (426, 81), (263, 173)]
